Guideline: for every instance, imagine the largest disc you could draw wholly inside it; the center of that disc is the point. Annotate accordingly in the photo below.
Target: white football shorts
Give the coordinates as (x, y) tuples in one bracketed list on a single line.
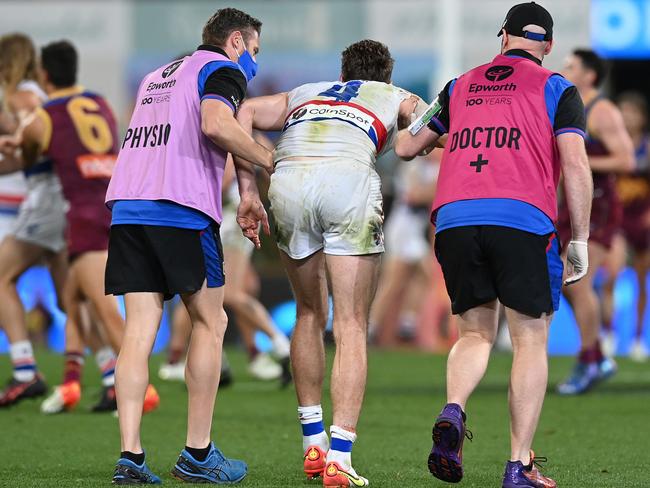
[(330, 204), (42, 214), (407, 233)]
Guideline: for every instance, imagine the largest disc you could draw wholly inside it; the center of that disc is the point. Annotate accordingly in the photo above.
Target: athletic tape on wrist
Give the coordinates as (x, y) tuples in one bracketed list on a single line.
[(433, 109)]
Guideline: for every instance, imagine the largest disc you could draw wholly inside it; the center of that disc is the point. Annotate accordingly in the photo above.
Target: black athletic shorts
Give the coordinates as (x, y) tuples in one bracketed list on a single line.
[(484, 262), (167, 260)]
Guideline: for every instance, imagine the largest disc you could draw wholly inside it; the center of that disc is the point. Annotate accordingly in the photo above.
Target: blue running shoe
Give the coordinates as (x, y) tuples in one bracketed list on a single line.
[(129, 473), (446, 458), (586, 375), (215, 469)]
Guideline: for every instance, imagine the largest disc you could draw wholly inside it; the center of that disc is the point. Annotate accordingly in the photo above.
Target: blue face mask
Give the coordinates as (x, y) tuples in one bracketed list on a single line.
[(248, 64)]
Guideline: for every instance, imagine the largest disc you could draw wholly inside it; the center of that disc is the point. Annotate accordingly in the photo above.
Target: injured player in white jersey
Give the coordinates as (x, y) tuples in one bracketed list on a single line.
[(327, 206)]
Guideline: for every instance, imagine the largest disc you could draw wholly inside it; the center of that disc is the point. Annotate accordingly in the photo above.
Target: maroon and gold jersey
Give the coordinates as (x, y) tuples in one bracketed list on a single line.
[(81, 141), (606, 209), (634, 191)]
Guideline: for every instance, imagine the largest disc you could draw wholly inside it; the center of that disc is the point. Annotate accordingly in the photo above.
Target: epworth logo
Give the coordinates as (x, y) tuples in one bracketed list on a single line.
[(171, 68), (499, 73)]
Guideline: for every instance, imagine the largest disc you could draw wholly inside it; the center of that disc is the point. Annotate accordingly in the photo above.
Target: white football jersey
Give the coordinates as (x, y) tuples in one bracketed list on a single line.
[(354, 120), (32, 86)]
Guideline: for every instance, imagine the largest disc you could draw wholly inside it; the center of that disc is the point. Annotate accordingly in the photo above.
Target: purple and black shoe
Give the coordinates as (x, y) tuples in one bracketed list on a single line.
[(449, 432), (519, 476)]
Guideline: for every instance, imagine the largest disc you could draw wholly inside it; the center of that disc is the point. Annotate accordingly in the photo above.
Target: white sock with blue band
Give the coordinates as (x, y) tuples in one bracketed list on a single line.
[(22, 357), (313, 430), (341, 449)]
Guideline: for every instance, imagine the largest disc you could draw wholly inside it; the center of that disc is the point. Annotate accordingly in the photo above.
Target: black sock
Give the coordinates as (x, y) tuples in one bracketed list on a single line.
[(198, 453), (131, 456)]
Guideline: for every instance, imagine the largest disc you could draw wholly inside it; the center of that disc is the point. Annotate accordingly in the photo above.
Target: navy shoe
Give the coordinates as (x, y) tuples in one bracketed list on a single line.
[(129, 473), (215, 469)]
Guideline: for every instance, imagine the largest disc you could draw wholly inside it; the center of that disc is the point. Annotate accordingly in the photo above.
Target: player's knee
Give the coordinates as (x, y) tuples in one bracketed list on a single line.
[(352, 328), (215, 325), (315, 316), (530, 336), (484, 335)]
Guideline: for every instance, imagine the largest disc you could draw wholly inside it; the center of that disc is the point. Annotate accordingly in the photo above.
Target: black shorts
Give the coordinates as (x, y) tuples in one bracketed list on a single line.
[(167, 260), (484, 262)]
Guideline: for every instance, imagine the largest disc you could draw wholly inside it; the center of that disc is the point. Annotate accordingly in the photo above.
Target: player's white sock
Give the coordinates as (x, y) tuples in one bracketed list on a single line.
[(106, 360), (22, 358), (341, 449), (313, 430)]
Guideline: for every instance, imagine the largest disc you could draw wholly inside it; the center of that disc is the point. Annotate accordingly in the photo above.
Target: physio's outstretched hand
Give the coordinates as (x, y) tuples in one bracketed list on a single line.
[(250, 214)]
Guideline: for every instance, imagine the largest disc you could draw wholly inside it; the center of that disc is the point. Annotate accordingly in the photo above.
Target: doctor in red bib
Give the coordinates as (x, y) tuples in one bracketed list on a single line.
[(513, 127)]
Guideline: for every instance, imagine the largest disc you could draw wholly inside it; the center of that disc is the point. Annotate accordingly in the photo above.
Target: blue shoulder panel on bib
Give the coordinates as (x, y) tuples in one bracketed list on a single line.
[(210, 68)]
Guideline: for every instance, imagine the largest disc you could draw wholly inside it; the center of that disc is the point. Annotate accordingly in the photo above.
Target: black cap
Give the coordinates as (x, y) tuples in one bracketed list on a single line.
[(525, 14)]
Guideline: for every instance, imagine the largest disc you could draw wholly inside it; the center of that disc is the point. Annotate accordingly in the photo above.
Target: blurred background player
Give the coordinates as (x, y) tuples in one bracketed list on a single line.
[(165, 196), (81, 332), (76, 133), (327, 204), (12, 187), (495, 234), (633, 189), (610, 152), (38, 233), (250, 314), (406, 268)]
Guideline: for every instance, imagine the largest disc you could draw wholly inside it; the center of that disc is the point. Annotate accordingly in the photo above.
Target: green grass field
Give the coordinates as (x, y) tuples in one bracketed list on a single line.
[(599, 440)]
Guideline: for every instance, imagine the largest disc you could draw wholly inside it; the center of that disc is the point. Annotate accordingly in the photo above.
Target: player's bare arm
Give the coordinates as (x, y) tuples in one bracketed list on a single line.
[(578, 188), (264, 113), (22, 105), (219, 124), (10, 160), (22, 151), (413, 105), (608, 126), (408, 145)]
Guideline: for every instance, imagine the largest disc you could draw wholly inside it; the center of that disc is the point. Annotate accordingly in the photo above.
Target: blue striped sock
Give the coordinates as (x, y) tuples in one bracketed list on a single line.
[(341, 449), (106, 360), (22, 358), (313, 430)]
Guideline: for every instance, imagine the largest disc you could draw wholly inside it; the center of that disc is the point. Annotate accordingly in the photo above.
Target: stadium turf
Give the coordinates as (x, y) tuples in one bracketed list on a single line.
[(598, 440)]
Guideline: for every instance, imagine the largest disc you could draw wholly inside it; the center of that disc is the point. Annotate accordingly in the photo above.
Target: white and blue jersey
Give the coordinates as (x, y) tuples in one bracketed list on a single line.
[(355, 120)]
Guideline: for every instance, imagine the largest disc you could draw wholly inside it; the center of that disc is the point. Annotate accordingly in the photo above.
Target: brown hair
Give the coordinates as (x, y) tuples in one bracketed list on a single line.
[(17, 61), (591, 61), (367, 60), (227, 20)]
